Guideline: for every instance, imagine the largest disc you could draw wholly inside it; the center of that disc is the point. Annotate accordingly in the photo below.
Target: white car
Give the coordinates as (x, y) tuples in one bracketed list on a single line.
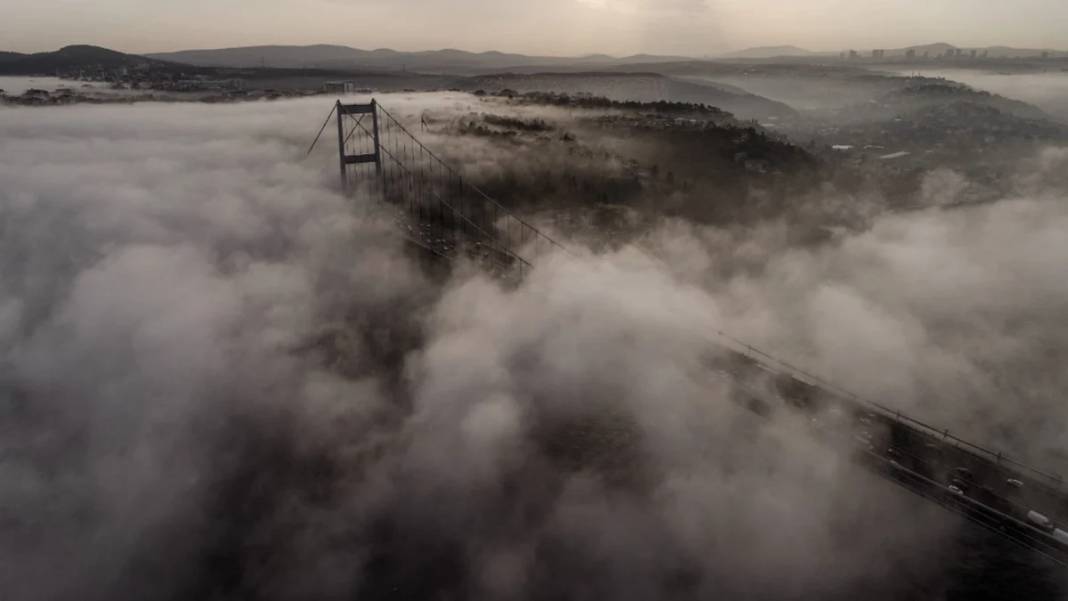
[(1040, 520)]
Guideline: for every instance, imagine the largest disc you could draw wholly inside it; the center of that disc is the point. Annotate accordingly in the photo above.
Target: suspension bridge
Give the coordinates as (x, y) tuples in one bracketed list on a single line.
[(444, 215), (436, 208)]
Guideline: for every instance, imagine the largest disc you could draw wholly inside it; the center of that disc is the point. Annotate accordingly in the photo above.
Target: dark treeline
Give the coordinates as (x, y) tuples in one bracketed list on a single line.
[(586, 101)]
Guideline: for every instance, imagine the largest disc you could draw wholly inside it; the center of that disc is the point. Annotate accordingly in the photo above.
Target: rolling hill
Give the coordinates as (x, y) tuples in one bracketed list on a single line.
[(70, 58), (640, 87)]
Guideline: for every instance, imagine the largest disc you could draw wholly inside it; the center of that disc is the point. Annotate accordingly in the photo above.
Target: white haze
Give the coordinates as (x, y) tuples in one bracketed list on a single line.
[(954, 316), (193, 325), (14, 86), (18, 85), (1048, 90)]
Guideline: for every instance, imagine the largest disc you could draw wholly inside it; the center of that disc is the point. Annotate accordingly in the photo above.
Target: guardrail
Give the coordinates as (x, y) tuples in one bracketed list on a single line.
[(1054, 482)]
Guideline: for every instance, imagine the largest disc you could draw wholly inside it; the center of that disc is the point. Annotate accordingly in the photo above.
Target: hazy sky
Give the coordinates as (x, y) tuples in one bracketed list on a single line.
[(553, 27)]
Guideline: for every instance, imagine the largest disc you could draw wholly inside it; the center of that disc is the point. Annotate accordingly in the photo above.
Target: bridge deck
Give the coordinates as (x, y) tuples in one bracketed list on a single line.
[(1019, 503)]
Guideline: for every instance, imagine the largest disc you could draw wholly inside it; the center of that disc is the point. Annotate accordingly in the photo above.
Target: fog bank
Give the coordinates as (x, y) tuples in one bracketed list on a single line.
[(221, 379)]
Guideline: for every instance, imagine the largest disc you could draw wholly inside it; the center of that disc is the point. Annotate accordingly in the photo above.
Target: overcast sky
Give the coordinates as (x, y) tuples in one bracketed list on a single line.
[(550, 27)]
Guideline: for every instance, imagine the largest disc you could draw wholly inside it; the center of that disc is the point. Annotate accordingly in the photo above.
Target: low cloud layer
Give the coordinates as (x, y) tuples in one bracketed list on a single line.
[(1048, 90), (953, 315), (165, 269), (221, 379)]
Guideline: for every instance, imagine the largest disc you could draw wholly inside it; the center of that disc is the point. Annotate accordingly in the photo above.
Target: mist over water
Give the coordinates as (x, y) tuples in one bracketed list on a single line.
[(1048, 91), (923, 312), (15, 86), (219, 378)]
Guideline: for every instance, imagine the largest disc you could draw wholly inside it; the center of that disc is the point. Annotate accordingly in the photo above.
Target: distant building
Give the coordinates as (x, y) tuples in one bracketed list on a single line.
[(910, 53), (853, 55), (975, 53), (878, 53), (343, 87)]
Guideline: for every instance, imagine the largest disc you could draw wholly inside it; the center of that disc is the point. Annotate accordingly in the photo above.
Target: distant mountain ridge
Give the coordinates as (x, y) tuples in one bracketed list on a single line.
[(322, 57), (444, 62), (69, 58), (326, 56)]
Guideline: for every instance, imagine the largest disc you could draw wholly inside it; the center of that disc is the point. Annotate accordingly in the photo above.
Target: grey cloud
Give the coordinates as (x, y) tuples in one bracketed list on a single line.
[(161, 265), (950, 314)]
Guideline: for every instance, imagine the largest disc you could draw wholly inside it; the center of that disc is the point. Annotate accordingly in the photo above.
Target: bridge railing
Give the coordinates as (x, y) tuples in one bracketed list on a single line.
[(1052, 481)]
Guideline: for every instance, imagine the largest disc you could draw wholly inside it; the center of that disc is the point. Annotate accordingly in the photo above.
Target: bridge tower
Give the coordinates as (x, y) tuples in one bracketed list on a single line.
[(436, 207), (364, 149)]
